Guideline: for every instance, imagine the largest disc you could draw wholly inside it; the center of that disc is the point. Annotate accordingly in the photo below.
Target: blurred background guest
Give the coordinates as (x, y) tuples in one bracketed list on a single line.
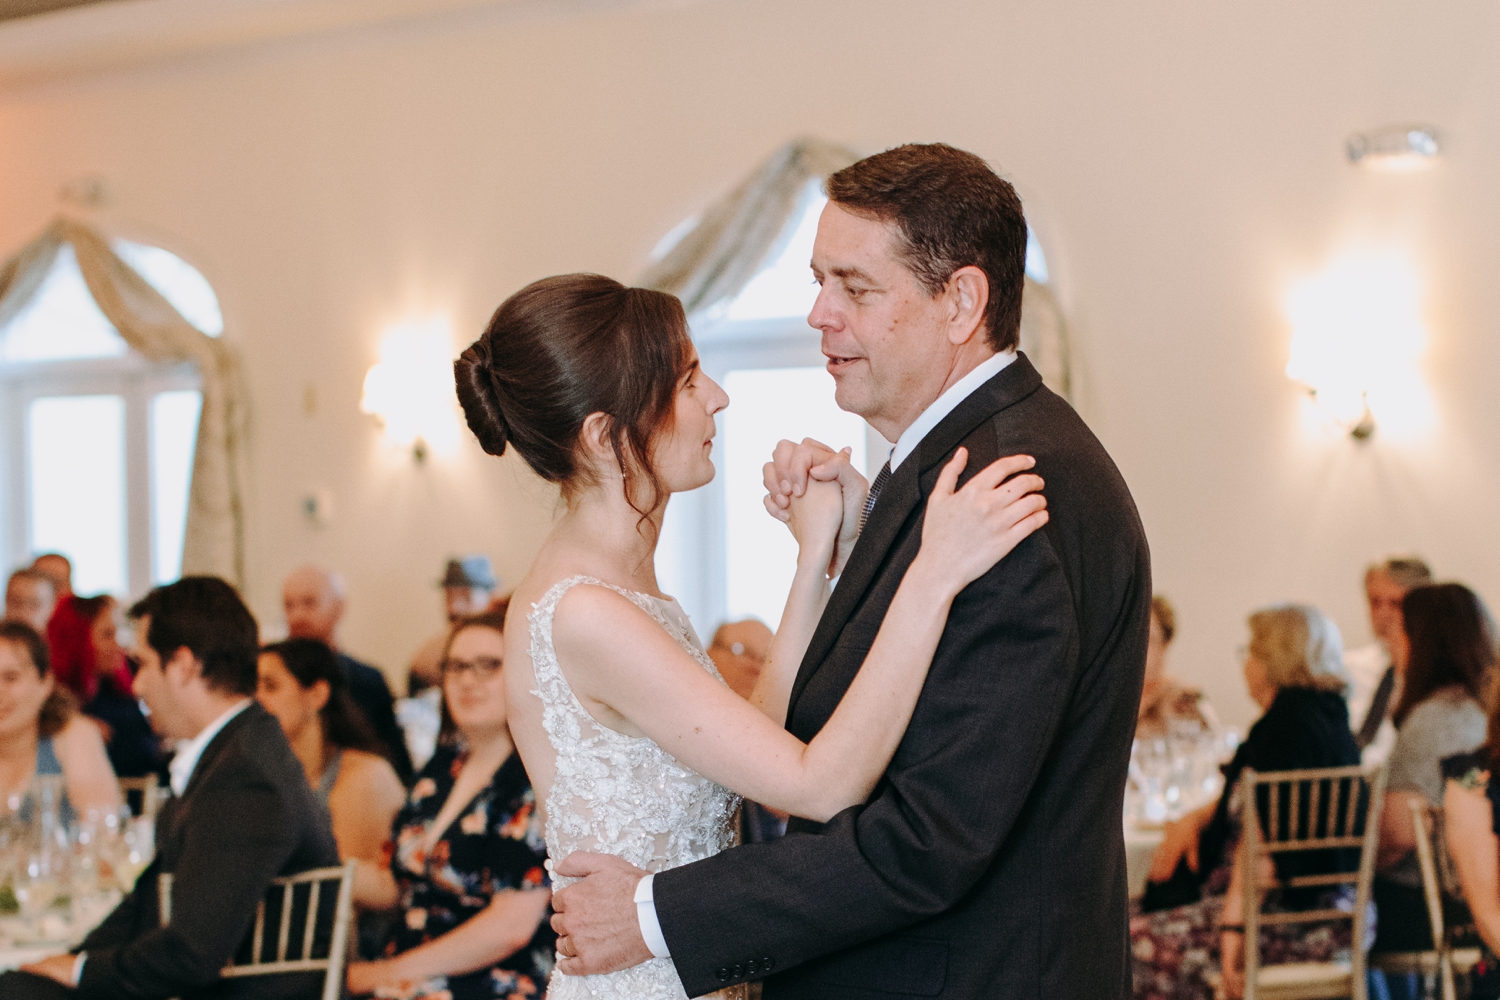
[(1375, 669), (739, 651), (1471, 812), (468, 873), (300, 682), (59, 569), (1450, 650), (134, 749), (29, 598), (42, 733), (468, 585), (1294, 670), (314, 601), (1164, 698)]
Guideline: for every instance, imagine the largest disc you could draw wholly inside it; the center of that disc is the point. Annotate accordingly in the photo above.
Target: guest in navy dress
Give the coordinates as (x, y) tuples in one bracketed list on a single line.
[(468, 872)]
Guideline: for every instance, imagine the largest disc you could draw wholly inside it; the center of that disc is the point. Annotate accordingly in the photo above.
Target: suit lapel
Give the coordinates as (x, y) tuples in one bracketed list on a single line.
[(901, 496)]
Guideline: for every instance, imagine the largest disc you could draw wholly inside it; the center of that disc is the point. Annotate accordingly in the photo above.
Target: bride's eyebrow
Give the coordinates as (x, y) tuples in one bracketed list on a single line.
[(687, 376)]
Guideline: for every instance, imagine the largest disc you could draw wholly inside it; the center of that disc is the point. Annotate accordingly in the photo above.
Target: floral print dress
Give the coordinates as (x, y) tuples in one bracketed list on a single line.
[(495, 844)]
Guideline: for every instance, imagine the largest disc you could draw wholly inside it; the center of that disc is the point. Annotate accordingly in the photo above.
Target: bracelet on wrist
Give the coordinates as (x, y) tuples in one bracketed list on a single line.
[(1231, 928)]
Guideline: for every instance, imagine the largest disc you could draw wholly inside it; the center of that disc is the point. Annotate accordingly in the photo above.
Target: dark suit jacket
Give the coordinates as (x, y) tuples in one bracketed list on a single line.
[(247, 816), (989, 861), (369, 691)]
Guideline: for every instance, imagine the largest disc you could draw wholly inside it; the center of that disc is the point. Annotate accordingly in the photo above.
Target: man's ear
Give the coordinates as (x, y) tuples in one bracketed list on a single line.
[(183, 667), (968, 295)]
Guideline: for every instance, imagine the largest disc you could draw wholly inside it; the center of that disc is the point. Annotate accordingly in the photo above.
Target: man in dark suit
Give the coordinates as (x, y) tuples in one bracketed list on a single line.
[(989, 861), (242, 813), (313, 599)]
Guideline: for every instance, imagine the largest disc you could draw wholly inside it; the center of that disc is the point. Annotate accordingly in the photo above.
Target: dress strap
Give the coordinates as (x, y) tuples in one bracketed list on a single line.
[(330, 775)]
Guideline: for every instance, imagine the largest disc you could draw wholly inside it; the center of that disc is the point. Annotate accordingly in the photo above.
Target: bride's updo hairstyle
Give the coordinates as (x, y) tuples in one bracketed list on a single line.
[(563, 348)]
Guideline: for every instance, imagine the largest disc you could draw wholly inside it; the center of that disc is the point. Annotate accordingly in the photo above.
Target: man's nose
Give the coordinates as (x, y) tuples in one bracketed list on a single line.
[(823, 316)]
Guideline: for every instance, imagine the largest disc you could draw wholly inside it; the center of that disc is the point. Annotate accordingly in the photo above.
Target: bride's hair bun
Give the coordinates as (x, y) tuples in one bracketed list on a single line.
[(563, 348), (480, 398)]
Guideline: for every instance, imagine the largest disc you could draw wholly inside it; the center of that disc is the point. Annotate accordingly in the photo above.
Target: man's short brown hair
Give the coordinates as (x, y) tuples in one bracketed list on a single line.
[(951, 211)]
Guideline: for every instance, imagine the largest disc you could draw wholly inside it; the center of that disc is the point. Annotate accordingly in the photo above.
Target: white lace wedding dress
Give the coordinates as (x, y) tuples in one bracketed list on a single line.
[(623, 795)]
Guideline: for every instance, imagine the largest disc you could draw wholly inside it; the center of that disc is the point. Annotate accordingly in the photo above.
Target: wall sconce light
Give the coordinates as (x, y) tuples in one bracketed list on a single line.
[(410, 391), (1397, 148), (1357, 338)]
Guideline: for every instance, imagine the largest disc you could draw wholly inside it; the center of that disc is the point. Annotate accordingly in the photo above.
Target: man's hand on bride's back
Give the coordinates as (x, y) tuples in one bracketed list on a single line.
[(966, 531)]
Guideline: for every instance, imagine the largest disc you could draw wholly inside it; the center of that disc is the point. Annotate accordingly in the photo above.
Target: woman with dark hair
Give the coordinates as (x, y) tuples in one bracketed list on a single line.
[(134, 751), (1450, 650), (598, 387), (42, 734), (299, 681), (468, 870)]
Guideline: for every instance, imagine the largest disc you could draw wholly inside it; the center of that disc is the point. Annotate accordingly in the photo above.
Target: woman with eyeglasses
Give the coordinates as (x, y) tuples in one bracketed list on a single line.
[(468, 871)]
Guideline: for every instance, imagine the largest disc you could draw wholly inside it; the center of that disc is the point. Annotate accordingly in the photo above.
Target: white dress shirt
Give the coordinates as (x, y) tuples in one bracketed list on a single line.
[(179, 773), (645, 904)]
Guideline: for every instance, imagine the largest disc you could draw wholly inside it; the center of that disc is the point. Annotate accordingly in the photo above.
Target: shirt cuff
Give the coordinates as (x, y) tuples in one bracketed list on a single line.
[(78, 966), (645, 912)]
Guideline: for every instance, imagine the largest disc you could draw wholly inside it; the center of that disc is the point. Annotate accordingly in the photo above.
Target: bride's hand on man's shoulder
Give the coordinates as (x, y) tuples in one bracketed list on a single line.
[(966, 531)]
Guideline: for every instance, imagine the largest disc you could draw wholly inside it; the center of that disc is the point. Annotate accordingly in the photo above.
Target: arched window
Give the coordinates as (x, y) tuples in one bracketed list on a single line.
[(98, 454)]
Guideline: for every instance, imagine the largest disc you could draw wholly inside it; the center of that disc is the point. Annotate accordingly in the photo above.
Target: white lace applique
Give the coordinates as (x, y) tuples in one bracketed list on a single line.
[(623, 795)]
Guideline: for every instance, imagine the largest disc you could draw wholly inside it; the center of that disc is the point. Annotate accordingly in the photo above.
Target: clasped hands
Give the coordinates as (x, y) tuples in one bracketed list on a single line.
[(808, 486)]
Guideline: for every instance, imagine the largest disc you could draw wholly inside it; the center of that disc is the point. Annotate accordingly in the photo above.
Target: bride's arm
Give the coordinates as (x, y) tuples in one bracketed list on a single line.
[(614, 653)]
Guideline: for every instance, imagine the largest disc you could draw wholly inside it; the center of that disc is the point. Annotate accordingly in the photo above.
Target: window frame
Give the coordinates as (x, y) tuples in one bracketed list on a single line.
[(137, 381)]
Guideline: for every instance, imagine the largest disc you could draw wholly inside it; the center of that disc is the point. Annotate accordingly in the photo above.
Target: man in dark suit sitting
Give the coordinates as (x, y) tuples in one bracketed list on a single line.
[(990, 860), (242, 813)]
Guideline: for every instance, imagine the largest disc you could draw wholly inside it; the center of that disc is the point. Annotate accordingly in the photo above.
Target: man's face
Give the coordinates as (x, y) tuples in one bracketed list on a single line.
[(154, 687), (29, 600), (883, 334), (56, 569), (312, 609), (1385, 596)]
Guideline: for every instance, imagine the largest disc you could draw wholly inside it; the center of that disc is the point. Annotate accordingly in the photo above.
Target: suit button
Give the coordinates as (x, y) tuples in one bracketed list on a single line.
[(737, 971), (752, 967), (723, 975), (766, 964)]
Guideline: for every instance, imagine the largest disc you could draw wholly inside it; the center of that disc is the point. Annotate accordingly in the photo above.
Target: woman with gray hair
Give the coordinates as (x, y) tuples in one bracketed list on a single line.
[(1294, 669)]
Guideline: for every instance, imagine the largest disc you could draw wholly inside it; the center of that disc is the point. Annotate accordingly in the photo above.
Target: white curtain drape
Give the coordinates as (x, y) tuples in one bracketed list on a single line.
[(214, 543), (718, 255)]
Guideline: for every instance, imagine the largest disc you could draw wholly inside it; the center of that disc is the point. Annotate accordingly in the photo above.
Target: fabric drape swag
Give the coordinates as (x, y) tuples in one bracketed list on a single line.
[(722, 251), (214, 539)]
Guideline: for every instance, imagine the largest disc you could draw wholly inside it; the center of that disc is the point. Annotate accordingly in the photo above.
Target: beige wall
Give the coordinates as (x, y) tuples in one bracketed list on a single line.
[(1182, 162)]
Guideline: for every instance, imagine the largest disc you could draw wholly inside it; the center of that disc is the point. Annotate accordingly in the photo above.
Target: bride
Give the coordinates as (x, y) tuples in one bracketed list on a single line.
[(634, 745)]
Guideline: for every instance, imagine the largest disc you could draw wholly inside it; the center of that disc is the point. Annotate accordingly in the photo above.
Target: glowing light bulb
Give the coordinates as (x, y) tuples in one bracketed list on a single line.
[(410, 391)]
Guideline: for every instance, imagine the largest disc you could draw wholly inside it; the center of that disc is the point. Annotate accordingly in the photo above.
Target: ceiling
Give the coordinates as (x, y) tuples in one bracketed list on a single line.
[(11, 9)]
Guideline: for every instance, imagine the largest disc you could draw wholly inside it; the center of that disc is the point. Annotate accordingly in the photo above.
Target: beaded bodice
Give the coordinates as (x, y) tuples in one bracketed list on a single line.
[(623, 795)]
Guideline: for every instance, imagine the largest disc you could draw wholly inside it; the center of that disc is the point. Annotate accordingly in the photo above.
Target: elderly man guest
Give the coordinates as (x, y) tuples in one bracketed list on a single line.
[(30, 598), (1375, 670), (314, 600), (241, 814), (990, 860), (59, 569)]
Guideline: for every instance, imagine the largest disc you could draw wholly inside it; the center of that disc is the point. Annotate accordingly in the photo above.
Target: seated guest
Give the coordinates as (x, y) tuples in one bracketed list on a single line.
[(1294, 670), (241, 814), (29, 598), (1375, 670), (59, 569), (1471, 813), (468, 585), (1450, 650), (1164, 698), (87, 656), (301, 684), (468, 873), (41, 732), (314, 602)]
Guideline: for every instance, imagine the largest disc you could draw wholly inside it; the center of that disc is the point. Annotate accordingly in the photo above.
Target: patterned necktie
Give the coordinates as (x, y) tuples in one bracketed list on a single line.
[(879, 484)]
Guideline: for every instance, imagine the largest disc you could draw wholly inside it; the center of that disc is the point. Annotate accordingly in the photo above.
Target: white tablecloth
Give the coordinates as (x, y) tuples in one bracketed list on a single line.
[(16, 956)]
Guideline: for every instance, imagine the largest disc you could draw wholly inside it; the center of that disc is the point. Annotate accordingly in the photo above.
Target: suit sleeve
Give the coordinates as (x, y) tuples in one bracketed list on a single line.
[(241, 837), (121, 924), (999, 685)]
